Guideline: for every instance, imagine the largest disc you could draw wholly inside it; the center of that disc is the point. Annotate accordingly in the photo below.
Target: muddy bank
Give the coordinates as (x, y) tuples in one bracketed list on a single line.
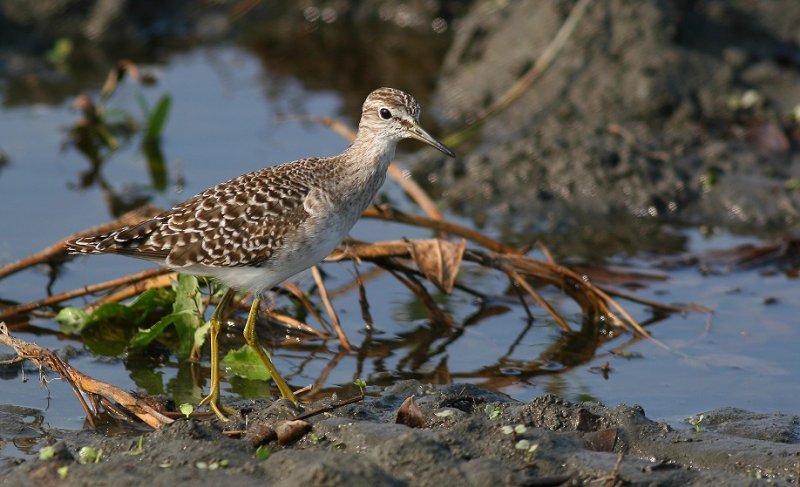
[(470, 437), (666, 111)]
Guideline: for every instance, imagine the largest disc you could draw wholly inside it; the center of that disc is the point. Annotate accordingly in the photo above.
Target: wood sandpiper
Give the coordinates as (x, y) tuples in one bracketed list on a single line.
[(256, 230)]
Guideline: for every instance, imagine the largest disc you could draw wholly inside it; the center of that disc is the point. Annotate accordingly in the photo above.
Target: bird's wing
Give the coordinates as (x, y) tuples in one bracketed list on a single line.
[(236, 223)]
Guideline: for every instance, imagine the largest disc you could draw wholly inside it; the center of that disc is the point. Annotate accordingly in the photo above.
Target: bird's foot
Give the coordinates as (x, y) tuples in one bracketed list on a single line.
[(213, 402)]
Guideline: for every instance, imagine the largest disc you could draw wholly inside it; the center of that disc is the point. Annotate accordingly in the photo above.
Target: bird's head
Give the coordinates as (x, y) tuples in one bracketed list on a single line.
[(395, 114)]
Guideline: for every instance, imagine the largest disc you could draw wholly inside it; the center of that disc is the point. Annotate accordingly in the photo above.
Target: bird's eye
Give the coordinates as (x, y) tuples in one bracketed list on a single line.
[(385, 113)]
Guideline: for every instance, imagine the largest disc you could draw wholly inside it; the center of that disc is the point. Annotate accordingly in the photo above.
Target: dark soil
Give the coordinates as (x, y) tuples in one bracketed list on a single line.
[(654, 111), (462, 442)]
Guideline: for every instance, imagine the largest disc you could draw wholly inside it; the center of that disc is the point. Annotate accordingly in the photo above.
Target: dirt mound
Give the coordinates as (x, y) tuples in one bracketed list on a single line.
[(682, 111)]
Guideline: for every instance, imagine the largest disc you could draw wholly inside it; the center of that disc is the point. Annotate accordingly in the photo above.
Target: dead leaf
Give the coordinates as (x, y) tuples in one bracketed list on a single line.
[(410, 414), (291, 431), (769, 139), (603, 440), (116, 75), (259, 433), (439, 260)]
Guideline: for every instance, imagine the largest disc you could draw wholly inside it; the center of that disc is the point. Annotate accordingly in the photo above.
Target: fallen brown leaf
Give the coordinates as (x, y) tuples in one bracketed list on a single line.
[(291, 431), (260, 433), (410, 414), (439, 260), (603, 440)]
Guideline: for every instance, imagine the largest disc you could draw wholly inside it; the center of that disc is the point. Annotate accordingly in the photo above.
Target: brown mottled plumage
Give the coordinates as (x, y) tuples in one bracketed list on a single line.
[(256, 230)]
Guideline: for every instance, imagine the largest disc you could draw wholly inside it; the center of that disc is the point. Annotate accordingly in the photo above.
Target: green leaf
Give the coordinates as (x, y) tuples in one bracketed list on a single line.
[(186, 324), (186, 409), (157, 118), (47, 453), (72, 320), (262, 453), (200, 335), (185, 317), (138, 449), (110, 311), (63, 472), (245, 363), (188, 318), (61, 51), (493, 411), (108, 329), (146, 335), (87, 454), (360, 383), (152, 300), (187, 294), (156, 164), (106, 136)]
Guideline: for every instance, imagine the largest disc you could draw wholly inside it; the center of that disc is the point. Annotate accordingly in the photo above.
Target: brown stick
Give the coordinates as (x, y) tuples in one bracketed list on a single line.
[(652, 304), (633, 323), (299, 294), (539, 299), (24, 308), (295, 324), (407, 279), (362, 299), (82, 383), (514, 266), (323, 295), (443, 225), (329, 407), (59, 248), (162, 280), (520, 296)]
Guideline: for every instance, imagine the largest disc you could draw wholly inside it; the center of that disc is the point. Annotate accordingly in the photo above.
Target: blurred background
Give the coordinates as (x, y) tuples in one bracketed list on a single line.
[(662, 138)]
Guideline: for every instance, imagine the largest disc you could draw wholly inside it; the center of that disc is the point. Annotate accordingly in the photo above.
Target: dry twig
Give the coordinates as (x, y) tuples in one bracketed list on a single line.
[(393, 215), (135, 289), (301, 296), (323, 295), (113, 399), (75, 293)]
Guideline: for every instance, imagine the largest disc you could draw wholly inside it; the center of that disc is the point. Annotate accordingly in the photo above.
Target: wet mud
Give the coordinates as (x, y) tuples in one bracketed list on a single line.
[(465, 436)]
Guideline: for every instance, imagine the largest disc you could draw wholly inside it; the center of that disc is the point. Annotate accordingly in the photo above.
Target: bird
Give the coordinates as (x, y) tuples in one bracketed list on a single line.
[(256, 230)]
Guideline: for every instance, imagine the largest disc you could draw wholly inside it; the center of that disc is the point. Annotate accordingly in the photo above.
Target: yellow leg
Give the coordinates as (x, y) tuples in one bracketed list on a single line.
[(212, 399), (252, 340)]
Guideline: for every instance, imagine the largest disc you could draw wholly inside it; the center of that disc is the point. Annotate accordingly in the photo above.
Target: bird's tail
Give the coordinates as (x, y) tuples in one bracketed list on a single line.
[(92, 244)]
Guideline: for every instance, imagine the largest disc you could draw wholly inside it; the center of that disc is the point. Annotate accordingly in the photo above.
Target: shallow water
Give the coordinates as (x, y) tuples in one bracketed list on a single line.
[(223, 123)]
